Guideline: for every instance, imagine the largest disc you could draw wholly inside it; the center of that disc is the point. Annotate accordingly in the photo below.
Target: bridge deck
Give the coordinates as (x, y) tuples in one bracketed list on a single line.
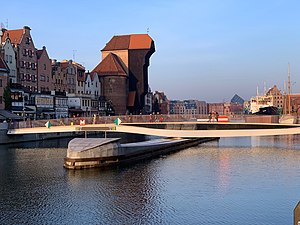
[(191, 130)]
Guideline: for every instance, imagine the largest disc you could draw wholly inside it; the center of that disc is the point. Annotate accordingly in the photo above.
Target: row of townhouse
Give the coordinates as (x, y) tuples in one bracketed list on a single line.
[(41, 87), (192, 107), (188, 107), (117, 85)]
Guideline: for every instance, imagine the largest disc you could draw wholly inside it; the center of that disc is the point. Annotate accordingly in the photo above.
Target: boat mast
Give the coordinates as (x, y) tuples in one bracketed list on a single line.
[(289, 89), (284, 95)]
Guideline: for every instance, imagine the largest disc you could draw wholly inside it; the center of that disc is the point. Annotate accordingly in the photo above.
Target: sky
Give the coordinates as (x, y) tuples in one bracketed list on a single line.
[(205, 50)]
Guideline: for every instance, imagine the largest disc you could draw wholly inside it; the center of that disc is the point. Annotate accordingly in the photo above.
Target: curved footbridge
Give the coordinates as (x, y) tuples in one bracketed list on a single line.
[(105, 152), (175, 129)]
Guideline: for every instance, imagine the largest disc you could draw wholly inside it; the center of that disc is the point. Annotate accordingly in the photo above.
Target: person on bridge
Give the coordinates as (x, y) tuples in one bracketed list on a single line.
[(217, 116), (209, 117)]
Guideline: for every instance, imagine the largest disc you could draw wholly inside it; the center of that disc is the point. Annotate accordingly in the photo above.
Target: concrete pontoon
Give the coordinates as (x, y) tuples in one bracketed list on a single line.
[(105, 152)]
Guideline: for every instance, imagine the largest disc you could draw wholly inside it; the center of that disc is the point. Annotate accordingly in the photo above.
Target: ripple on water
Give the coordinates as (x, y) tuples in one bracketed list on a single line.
[(233, 181)]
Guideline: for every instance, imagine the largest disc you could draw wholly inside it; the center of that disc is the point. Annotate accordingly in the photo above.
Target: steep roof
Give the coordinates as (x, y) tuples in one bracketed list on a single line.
[(3, 65), (93, 75), (237, 99), (39, 53), (110, 65), (131, 41), (15, 36)]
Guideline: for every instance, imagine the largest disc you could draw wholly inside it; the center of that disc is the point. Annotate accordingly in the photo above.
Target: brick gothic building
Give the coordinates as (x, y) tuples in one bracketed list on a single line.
[(123, 71), (26, 56)]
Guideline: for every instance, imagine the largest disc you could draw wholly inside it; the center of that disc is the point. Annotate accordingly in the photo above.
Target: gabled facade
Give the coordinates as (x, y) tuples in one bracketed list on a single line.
[(92, 85), (69, 72), (9, 56), (80, 79), (25, 56), (278, 99), (59, 77), (44, 70)]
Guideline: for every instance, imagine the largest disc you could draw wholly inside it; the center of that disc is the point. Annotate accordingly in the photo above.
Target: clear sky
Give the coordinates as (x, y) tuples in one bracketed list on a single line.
[(206, 50)]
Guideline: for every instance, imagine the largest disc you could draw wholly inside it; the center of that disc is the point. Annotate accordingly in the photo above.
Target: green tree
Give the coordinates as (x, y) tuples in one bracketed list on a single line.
[(7, 97)]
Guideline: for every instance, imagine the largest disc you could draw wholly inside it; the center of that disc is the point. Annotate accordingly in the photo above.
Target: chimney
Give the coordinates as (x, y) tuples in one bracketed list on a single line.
[(26, 29)]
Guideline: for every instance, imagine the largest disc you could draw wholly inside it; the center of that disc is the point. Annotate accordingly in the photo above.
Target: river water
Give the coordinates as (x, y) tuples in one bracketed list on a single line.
[(252, 180)]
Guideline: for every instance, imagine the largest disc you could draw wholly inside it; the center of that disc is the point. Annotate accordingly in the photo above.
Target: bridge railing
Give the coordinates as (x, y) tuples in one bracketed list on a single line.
[(154, 118)]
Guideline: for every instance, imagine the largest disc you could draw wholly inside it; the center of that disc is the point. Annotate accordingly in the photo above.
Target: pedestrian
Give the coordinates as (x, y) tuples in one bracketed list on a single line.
[(217, 116), (209, 117)]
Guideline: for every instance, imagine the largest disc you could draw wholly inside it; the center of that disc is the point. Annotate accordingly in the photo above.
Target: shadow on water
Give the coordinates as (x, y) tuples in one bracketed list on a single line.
[(63, 142)]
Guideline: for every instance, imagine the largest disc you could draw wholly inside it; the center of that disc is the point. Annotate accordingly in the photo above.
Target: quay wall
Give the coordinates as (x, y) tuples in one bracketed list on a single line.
[(261, 118)]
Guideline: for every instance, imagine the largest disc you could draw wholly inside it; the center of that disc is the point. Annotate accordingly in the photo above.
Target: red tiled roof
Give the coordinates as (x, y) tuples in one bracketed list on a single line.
[(140, 41), (110, 65), (15, 36), (132, 41), (3, 65)]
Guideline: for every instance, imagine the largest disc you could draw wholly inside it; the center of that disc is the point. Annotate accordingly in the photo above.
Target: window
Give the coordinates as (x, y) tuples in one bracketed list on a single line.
[(0, 82), (42, 78), (10, 59), (45, 66), (6, 58), (1, 101)]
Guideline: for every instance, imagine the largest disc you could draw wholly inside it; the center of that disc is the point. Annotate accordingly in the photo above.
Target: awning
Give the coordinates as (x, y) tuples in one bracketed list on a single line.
[(75, 110), (9, 115)]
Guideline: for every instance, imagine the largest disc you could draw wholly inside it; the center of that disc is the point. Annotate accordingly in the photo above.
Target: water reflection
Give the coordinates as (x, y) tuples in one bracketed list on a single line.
[(231, 181)]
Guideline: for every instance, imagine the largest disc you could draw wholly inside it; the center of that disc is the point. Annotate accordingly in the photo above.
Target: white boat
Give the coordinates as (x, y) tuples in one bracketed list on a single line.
[(260, 102)]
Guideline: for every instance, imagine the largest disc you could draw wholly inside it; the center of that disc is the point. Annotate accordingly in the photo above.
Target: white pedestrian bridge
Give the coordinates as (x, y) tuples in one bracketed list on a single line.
[(174, 129)]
